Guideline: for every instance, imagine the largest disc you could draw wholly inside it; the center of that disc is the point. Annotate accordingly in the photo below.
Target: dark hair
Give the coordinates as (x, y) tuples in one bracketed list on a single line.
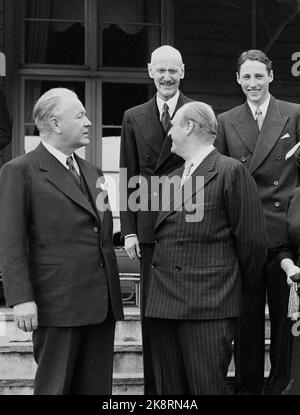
[(254, 55)]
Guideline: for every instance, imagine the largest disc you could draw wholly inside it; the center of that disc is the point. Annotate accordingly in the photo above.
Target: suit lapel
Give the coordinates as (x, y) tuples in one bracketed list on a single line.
[(148, 121), (271, 130), (246, 127), (92, 181), (180, 197), (165, 152), (61, 179)]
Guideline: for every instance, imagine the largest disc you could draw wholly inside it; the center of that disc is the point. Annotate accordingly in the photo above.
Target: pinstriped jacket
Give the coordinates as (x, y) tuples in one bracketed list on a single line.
[(200, 268)]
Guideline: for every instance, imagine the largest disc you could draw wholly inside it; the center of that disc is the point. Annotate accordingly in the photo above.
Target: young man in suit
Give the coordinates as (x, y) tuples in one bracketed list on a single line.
[(200, 266), (58, 261), (145, 152), (259, 134)]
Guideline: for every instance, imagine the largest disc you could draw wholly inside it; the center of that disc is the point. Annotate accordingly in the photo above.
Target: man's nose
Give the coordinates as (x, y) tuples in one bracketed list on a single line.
[(252, 82), (87, 122), (167, 76)]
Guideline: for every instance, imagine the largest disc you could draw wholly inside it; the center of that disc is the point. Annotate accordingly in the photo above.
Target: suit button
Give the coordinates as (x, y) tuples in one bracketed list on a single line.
[(156, 241), (153, 266), (278, 157), (276, 182), (243, 159), (96, 229), (178, 268), (277, 204)]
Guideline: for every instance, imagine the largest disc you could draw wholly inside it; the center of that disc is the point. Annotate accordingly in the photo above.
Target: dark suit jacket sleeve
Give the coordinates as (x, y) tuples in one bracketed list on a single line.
[(289, 249), (14, 214), (220, 142), (5, 123), (247, 223), (129, 167)]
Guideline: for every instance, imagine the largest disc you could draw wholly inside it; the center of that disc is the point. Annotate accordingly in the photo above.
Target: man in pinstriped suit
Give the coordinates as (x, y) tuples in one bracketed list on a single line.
[(200, 267)]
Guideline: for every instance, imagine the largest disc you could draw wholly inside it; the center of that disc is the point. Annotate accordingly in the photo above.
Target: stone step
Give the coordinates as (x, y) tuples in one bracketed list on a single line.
[(127, 330), (16, 359), (123, 384)]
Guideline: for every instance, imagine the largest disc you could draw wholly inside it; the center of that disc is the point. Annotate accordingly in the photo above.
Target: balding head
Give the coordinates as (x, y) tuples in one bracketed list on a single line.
[(202, 115), (194, 127), (166, 52), (166, 69)]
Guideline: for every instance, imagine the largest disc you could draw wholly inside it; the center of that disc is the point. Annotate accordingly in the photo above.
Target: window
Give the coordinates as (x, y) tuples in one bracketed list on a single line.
[(98, 48), (54, 31), (130, 29)]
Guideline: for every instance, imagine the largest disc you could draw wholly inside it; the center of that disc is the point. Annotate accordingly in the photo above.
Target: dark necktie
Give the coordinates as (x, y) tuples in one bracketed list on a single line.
[(259, 118), (165, 118), (72, 169)]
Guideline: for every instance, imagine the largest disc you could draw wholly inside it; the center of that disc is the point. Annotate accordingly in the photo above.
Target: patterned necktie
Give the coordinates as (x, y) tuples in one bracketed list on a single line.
[(72, 169), (186, 172), (259, 118), (165, 118)]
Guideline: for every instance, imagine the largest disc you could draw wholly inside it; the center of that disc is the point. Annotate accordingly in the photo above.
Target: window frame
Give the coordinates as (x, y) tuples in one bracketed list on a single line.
[(88, 73)]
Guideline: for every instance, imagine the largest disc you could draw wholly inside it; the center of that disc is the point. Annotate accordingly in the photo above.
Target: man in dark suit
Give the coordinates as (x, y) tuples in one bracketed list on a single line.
[(5, 123), (200, 266), (145, 152), (58, 261), (260, 133)]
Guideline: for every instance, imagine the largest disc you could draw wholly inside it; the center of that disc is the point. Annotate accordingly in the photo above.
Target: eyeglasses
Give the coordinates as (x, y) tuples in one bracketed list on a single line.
[(171, 71)]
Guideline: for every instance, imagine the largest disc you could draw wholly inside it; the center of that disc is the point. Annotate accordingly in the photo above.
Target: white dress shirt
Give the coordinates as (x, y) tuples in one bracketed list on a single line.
[(61, 157), (199, 157), (172, 102), (263, 107)]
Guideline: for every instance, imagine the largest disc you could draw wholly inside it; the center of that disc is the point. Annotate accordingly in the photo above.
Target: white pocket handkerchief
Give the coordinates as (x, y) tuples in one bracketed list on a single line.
[(292, 151), (285, 136)]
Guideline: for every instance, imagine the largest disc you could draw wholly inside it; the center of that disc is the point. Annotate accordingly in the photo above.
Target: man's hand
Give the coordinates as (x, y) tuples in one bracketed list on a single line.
[(132, 247), (25, 315), (290, 269)]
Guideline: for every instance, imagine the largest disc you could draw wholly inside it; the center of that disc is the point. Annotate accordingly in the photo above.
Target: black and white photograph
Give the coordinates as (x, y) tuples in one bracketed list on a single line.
[(150, 200)]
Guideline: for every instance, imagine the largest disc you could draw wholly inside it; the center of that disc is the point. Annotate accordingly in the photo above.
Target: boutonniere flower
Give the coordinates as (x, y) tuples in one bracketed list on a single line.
[(104, 186)]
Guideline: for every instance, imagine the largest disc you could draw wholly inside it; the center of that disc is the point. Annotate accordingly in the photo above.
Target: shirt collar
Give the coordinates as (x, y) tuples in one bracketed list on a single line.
[(263, 107), (199, 157), (61, 157), (172, 102)]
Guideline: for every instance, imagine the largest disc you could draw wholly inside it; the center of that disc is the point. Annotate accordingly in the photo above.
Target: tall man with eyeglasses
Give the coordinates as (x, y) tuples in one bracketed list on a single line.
[(145, 152), (260, 133)]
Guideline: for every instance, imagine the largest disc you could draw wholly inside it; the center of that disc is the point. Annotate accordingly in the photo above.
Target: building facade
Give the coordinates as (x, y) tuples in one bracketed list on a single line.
[(100, 48)]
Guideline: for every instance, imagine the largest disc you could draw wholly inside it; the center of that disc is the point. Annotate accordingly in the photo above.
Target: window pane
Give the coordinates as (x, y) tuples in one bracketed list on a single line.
[(131, 11), (55, 9), (122, 48), (118, 97), (110, 153), (33, 90), (127, 41), (55, 42)]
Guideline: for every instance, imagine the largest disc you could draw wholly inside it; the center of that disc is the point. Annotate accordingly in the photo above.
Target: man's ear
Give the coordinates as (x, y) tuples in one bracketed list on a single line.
[(150, 71), (238, 80), (271, 76), (54, 124), (189, 126), (182, 71)]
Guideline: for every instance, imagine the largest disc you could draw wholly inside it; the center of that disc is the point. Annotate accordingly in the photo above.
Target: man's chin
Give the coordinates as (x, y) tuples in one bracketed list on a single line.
[(173, 150), (84, 142), (167, 94)]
